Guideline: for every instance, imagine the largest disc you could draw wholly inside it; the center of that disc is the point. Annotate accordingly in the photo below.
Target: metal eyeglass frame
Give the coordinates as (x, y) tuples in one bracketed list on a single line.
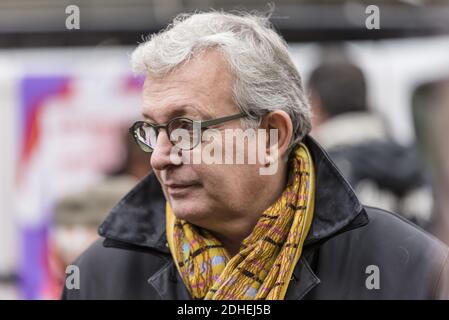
[(202, 124)]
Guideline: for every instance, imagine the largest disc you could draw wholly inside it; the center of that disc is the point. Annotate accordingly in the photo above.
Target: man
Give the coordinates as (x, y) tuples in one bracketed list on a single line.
[(202, 230), (382, 172)]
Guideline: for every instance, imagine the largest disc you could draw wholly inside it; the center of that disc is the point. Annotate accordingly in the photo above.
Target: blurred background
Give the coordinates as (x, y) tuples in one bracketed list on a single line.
[(380, 94)]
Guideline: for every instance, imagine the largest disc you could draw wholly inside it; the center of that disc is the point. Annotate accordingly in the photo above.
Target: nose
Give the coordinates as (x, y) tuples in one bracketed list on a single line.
[(160, 157)]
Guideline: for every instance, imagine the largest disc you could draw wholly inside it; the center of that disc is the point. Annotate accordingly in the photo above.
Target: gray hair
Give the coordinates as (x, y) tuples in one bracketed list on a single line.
[(265, 77)]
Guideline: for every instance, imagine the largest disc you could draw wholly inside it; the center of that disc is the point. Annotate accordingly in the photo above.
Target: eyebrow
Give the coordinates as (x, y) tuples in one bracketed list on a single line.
[(180, 110)]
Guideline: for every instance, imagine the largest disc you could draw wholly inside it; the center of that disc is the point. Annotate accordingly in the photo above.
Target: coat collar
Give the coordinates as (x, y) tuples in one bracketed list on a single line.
[(139, 218), (168, 283)]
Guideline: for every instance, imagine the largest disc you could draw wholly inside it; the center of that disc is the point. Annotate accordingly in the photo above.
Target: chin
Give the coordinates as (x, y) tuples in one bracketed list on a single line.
[(187, 210)]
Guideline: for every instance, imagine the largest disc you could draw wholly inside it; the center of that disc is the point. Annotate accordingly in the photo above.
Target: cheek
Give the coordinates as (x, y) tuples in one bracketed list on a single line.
[(218, 181), (229, 182)]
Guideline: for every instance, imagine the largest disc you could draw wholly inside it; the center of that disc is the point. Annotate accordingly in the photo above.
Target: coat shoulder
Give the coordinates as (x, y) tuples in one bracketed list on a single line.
[(113, 273), (419, 255), (388, 258), (399, 231)]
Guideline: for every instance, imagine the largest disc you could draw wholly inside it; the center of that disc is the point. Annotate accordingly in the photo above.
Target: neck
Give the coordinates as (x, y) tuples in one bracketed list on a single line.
[(232, 233), (232, 245)]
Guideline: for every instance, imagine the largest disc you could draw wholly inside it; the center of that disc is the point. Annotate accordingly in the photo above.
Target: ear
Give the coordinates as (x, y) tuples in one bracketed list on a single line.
[(279, 120)]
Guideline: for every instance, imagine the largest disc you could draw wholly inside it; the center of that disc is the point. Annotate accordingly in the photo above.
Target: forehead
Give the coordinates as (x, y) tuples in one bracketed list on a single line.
[(203, 84)]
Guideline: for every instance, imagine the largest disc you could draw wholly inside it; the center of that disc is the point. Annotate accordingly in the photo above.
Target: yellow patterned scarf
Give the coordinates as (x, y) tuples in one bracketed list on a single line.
[(264, 265)]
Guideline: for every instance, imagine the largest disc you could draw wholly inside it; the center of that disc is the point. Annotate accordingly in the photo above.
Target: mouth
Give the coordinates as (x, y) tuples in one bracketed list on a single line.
[(178, 189)]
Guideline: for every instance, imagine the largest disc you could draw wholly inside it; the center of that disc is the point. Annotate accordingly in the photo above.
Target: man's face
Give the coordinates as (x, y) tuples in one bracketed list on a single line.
[(204, 194)]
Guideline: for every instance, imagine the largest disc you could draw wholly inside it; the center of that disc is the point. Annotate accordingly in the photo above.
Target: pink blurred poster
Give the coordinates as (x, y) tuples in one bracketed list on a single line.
[(69, 132)]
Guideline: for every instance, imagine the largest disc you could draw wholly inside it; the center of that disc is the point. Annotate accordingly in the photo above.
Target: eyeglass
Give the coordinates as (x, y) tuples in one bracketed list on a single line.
[(145, 133)]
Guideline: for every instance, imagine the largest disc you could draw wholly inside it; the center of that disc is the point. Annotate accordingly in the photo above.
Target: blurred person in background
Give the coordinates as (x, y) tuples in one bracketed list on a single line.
[(77, 216), (431, 121), (135, 165), (383, 173), (443, 195)]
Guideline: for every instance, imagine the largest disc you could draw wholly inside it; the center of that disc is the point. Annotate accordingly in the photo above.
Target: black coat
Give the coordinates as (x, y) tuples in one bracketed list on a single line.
[(345, 239)]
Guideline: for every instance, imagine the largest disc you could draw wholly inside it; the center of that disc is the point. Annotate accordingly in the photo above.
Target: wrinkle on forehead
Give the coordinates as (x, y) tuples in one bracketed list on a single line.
[(204, 83)]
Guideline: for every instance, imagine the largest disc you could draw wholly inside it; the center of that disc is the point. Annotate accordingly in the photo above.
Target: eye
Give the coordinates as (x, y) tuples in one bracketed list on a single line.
[(146, 134), (142, 134), (182, 133)]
